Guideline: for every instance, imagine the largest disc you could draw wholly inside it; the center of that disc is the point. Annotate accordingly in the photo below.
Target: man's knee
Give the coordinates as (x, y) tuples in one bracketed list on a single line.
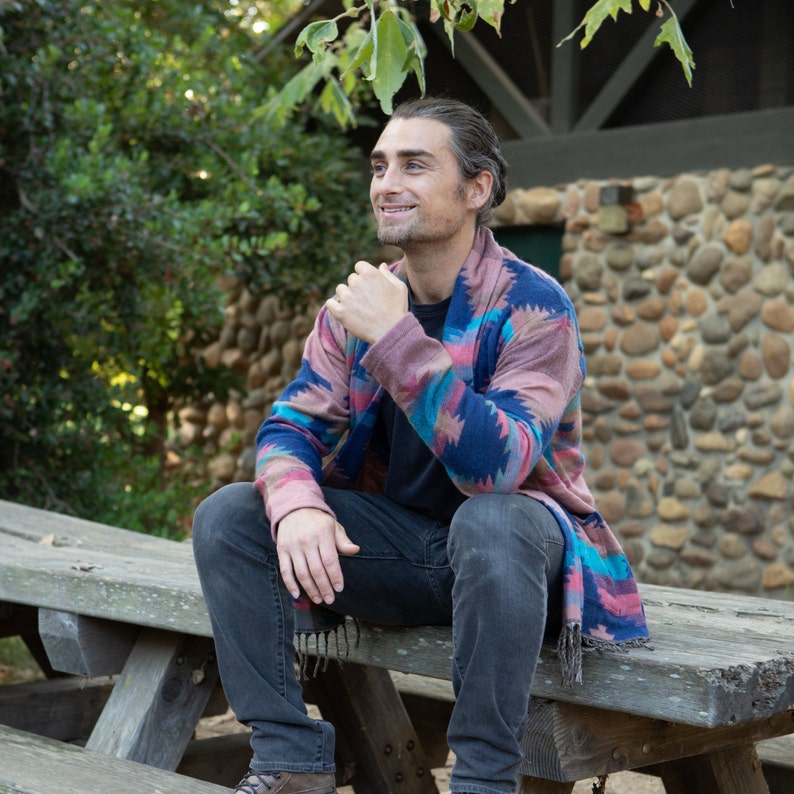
[(226, 512), (499, 525)]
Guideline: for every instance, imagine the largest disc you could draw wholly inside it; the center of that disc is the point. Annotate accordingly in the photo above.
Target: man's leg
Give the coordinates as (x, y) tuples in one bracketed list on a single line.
[(400, 576), (506, 552), (252, 622)]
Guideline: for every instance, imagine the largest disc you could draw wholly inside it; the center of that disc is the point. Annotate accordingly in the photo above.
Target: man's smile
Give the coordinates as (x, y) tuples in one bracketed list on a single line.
[(396, 209)]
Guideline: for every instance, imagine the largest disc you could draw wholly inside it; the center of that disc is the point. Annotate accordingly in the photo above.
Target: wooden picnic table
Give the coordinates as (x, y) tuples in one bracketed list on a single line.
[(718, 678)]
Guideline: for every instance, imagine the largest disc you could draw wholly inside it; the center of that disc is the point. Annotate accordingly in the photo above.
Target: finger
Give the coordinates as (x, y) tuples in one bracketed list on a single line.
[(361, 267), (287, 574), (334, 309), (305, 579), (384, 268), (326, 576), (343, 543)]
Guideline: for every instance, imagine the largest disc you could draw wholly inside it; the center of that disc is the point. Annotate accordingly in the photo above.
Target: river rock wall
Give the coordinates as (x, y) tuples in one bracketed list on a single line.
[(686, 313)]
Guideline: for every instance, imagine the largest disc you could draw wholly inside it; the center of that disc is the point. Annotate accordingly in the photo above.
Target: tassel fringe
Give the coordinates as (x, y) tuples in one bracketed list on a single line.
[(572, 645), (317, 644)]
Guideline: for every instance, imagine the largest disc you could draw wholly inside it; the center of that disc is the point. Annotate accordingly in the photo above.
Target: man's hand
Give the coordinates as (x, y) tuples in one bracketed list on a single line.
[(309, 542), (371, 302)]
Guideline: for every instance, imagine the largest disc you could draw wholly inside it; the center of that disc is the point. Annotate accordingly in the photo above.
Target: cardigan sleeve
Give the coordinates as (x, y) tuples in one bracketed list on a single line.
[(306, 424)]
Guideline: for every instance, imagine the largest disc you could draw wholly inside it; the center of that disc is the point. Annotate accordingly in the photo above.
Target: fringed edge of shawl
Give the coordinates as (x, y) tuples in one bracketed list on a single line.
[(572, 645), (317, 644)]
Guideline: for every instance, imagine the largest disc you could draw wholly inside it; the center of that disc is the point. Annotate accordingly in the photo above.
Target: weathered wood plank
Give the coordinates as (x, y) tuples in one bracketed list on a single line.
[(365, 707), (158, 699), (217, 759), (80, 645), (62, 563), (739, 669), (777, 762), (61, 708), (37, 765), (732, 770), (567, 742)]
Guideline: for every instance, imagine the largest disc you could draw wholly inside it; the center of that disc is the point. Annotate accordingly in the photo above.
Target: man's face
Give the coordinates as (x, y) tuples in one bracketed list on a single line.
[(417, 193)]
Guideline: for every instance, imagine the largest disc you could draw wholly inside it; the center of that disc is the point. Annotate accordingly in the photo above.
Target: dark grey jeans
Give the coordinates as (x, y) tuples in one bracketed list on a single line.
[(494, 573)]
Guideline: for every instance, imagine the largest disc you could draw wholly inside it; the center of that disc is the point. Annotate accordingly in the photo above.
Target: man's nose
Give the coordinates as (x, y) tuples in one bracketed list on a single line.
[(389, 180)]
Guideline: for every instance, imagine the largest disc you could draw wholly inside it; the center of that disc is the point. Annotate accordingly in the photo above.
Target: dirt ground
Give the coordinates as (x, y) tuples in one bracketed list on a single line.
[(619, 783)]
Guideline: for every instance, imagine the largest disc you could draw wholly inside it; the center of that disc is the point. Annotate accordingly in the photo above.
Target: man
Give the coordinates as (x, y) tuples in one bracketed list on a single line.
[(447, 385)]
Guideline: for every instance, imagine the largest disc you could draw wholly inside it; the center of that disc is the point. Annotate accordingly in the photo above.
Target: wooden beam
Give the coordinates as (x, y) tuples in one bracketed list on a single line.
[(626, 75), (158, 698), (367, 711), (32, 764), (565, 63), (738, 140), (497, 85), (80, 645), (570, 743), (62, 708)]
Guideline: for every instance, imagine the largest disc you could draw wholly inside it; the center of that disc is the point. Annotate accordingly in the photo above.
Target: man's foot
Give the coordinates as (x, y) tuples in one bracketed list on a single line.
[(287, 783)]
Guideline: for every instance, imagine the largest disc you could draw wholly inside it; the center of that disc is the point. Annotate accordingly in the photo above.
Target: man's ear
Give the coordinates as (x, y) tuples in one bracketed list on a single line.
[(480, 190)]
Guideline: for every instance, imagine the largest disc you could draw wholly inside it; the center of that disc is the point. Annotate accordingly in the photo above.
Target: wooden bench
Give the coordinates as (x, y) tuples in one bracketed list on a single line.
[(32, 764), (718, 680)]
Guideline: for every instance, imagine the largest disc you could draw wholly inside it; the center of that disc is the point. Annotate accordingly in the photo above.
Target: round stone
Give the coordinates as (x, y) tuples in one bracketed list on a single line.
[(705, 262), (776, 355), (684, 199)]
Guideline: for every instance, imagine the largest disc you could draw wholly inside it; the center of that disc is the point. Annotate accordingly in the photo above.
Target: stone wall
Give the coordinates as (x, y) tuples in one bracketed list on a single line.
[(687, 316)]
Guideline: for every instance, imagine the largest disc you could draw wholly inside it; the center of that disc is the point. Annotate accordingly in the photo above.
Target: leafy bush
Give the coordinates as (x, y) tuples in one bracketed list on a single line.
[(135, 173)]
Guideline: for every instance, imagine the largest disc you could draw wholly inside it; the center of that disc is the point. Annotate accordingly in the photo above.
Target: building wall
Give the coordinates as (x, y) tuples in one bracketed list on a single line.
[(686, 317)]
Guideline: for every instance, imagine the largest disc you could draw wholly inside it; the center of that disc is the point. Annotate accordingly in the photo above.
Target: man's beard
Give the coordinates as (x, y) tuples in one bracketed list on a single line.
[(418, 231)]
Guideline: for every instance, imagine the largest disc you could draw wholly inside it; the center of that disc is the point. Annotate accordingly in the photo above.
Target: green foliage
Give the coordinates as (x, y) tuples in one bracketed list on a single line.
[(134, 175), (381, 45), (670, 32), (17, 664)]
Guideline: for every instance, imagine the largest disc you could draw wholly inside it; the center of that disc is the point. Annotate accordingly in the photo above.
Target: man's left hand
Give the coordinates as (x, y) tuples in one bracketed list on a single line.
[(371, 302)]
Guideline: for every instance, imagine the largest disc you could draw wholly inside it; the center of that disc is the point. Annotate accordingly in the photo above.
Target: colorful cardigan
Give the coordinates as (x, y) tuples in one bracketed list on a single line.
[(498, 402)]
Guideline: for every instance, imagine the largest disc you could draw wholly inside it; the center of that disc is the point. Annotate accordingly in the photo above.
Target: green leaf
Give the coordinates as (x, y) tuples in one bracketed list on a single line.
[(415, 53), (388, 74), (492, 11), (363, 54), (672, 34), (597, 13), (297, 89), (413, 38), (468, 16), (334, 102), (316, 36), (449, 27)]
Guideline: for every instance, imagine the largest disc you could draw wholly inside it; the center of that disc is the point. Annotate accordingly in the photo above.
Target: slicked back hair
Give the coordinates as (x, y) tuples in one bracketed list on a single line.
[(473, 141)]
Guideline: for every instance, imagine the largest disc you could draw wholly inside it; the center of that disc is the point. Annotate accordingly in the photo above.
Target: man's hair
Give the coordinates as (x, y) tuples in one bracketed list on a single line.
[(473, 141)]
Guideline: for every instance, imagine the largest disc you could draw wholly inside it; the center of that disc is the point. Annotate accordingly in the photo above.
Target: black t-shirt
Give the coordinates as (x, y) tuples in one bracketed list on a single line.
[(416, 478)]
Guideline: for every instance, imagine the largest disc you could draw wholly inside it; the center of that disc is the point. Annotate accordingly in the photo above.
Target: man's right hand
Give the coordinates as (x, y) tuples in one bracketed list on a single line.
[(309, 542)]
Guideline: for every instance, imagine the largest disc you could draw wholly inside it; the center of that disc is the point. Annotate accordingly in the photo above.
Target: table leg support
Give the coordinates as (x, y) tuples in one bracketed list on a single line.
[(369, 716), (158, 698), (734, 770)]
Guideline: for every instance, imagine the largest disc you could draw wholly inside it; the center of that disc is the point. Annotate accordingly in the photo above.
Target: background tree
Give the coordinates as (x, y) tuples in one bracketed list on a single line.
[(134, 174)]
